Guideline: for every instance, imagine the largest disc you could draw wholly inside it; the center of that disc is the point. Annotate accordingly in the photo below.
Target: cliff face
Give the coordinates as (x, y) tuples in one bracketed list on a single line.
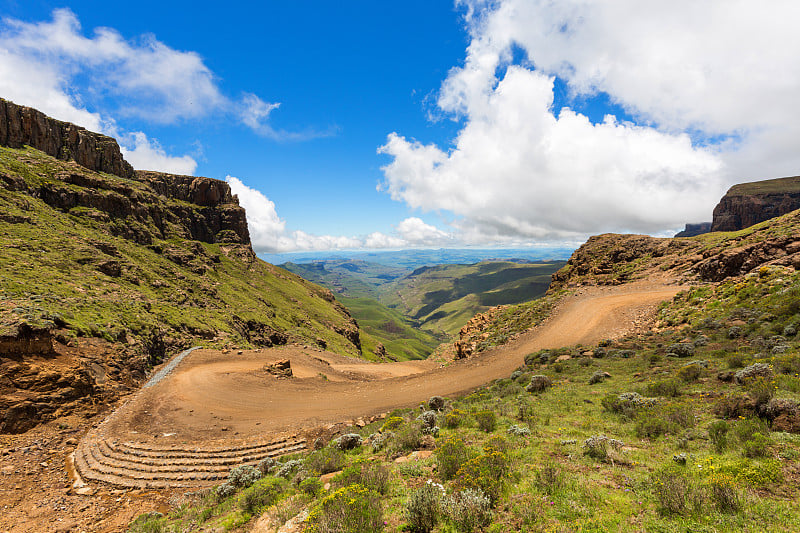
[(20, 126), (155, 210), (693, 230), (750, 203)]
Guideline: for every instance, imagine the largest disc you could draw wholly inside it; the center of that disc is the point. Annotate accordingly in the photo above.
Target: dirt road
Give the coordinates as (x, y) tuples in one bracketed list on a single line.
[(214, 396)]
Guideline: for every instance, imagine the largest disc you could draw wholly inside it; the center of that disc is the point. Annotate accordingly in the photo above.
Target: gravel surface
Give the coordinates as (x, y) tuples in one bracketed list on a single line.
[(161, 374)]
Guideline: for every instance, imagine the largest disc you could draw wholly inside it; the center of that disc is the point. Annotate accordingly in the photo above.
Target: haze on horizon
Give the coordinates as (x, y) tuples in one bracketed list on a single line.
[(505, 123)]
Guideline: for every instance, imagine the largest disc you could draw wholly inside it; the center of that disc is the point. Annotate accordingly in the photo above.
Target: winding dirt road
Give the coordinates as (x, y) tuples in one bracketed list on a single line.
[(212, 396)]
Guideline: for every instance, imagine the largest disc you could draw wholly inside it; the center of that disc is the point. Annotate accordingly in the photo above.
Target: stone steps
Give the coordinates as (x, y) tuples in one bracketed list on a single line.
[(145, 466)]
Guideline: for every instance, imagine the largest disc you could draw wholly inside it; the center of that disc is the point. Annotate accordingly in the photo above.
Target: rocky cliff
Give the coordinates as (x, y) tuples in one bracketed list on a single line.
[(746, 204), (693, 230), (21, 126)]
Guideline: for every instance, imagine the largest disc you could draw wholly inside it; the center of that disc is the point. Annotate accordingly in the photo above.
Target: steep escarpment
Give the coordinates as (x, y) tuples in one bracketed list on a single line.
[(746, 204), (104, 275), (21, 126)]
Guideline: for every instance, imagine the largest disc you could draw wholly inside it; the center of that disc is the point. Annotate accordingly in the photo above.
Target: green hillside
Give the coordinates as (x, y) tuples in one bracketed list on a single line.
[(444, 297), (99, 255)]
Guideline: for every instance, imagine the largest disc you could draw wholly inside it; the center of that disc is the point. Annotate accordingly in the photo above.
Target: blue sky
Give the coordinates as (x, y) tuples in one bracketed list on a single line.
[(421, 123)]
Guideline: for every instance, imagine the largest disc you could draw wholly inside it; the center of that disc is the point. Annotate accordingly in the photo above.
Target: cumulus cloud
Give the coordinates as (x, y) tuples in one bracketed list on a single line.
[(709, 84), (269, 234), (52, 66), (147, 154)]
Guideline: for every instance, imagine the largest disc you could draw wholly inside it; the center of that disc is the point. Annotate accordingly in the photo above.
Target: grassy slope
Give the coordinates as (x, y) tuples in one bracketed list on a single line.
[(445, 297), (778, 185), (49, 270), (382, 325)]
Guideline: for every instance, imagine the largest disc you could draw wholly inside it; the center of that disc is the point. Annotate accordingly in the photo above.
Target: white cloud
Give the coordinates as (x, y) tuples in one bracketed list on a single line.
[(413, 230), (52, 66), (147, 154), (268, 232), (519, 169)]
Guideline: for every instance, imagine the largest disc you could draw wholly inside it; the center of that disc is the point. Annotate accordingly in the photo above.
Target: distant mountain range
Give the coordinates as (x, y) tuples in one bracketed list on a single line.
[(413, 259)]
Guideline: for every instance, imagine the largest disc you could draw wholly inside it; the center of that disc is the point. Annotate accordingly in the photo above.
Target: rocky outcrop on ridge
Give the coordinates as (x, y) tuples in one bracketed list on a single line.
[(692, 230), (20, 126), (747, 204)]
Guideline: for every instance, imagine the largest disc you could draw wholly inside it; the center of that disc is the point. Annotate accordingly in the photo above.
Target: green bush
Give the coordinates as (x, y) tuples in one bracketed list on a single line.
[(724, 493), (311, 486), (263, 493), (451, 455), (407, 438), (690, 373), (486, 420), (669, 388), (486, 472), (351, 509), (549, 478), (152, 522), (392, 423), (597, 447), (422, 507), (718, 433), (369, 474), (325, 461), (454, 418), (674, 491)]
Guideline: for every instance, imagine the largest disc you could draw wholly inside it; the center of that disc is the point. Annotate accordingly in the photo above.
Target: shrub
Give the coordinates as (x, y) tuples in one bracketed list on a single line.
[(226, 490), (407, 438), (539, 384), (761, 390), (690, 373), (519, 431), (486, 472), (422, 507), (454, 418), (392, 423), (351, 509), (597, 446), (288, 468), (718, 433), (670, 388), (627, 404), (451, 455), (598, 377), (436, 403), (487, 421), (263, 493), (348, 441), (755, 370), (379, 440), (427, 419), (672, 490), (735, 360), (756, 446), (467, 510), (496, 443), (681, 349), (266, 465), (152, 522), (311, 486), (372, 475), (243, 476), (724, 493), (549, 478), (325, 461), (788, 364)]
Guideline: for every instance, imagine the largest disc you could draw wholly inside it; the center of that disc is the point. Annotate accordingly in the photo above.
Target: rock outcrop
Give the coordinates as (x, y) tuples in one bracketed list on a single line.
[(693, 230), (747, 204), (20, 126)]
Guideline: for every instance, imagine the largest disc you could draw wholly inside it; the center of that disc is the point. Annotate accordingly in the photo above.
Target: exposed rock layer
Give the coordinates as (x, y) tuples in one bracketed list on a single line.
[(747, 204), (20, 126)]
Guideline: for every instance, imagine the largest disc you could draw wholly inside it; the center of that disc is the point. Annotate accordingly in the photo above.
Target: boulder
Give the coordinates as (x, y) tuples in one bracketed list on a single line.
[(280, 369)]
